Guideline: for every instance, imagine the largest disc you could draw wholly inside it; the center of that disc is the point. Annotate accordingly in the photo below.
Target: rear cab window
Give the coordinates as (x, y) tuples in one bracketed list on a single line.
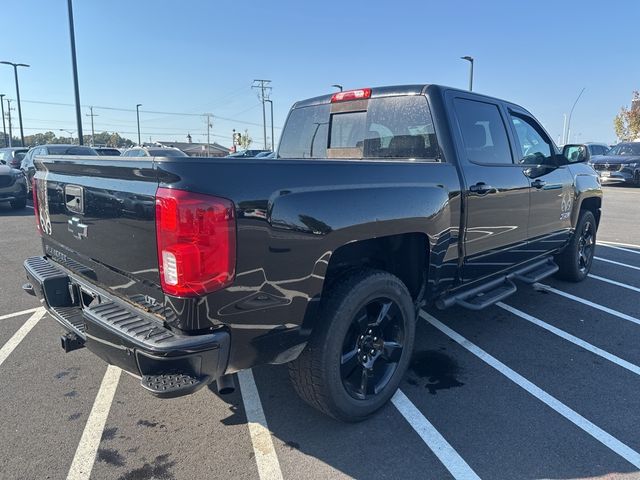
[(395, 127), (483, 132)]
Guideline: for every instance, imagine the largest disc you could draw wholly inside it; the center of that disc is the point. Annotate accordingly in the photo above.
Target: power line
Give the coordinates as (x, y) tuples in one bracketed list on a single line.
[(155, 112), (182, 133)]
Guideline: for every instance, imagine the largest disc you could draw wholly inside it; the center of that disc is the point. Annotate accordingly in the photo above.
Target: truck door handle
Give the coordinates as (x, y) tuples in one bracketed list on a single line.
[(538, 184), (482, 188)]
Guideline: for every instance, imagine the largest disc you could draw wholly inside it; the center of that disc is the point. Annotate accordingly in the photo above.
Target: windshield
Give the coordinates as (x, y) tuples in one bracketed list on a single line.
[(166, 152), (71, 150), (625, 149), (108, 151)]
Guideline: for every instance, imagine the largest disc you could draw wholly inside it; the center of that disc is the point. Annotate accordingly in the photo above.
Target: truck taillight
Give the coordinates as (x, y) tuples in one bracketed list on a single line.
[(196, 238), (36, 204), (361, 94)]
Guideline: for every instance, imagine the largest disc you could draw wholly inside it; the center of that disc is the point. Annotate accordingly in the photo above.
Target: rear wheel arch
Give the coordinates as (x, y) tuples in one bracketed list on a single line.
[(405, 256)]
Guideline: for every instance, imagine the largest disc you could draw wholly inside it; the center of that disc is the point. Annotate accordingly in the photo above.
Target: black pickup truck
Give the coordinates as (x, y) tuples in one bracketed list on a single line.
[(378, 202)]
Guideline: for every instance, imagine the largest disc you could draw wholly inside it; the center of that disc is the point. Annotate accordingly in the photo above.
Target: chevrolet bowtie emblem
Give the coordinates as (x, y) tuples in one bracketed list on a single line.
[(77, 228)]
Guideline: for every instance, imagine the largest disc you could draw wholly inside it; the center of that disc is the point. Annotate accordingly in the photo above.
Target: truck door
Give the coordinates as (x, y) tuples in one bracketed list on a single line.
[(552, 190), (496, 188)]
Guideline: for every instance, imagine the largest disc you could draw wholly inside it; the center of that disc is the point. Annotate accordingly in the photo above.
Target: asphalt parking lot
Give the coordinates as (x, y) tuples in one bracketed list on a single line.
[(546, 385)]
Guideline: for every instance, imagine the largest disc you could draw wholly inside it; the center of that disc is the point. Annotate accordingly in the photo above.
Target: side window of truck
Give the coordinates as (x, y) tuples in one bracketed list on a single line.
[(306, 133), (483, 132), (535, 148)]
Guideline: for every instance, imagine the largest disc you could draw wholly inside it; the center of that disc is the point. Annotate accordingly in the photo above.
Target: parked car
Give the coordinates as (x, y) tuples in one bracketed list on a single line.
[(248, 153), (13, 156), (380, 201), (13, 186), (154, 152), (621, 164), (102, 151), (27, 164)]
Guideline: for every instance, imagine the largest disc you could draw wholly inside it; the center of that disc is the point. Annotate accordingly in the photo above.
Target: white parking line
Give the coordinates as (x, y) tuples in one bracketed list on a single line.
[(584, 301), (436, 442), (613, 282), (620, 264), (22, 312), (22, 332), (619, 248), (85, 455), (608, 243), (265, 453), (570, 338), (574, 417)]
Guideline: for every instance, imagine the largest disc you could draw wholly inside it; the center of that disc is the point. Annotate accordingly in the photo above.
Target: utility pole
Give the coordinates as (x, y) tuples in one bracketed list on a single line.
[(9, 118), (92, 130), (208, 141), (263, 96), (273, 147), (138, 118), (4, 127), (74, 64)]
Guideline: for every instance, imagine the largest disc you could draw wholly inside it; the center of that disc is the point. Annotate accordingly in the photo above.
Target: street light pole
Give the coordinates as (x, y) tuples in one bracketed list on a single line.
[(273, 144), (15, 74), (337, 85), (74, 64), (9, 118), (138, 118), (470, 60), (4, 126), (571, 113), (70, 132)]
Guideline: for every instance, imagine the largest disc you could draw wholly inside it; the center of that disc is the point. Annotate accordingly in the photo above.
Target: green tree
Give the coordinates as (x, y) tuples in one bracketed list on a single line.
[(245, 140), (627, 122)]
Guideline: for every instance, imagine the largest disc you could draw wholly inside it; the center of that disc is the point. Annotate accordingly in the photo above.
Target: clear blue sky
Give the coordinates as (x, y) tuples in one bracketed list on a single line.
[(201, 56)]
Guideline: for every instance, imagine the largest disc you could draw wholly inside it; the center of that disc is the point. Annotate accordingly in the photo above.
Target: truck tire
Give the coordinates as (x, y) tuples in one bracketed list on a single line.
[(360, 348), (576, 259), (19, 203)]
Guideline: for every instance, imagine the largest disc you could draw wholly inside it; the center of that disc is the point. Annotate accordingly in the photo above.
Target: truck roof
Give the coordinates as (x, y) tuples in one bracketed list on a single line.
[(393, 90)]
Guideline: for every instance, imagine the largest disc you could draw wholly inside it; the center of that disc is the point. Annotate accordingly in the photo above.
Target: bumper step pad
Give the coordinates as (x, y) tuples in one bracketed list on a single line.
[(169, 385)]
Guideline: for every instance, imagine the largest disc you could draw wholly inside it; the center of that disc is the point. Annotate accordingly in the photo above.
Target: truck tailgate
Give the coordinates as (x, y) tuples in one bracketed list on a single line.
[(97, 217)]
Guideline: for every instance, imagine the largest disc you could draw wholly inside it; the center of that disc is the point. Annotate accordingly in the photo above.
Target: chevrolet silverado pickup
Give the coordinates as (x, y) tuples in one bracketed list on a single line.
[(378, 202)]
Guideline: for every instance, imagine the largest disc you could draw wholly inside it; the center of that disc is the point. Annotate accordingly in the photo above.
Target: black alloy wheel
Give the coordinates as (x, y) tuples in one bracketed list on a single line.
[(372, 348), (586, 245)]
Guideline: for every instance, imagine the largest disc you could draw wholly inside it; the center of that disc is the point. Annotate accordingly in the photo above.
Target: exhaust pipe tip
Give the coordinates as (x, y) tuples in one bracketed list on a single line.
[(226, 384)]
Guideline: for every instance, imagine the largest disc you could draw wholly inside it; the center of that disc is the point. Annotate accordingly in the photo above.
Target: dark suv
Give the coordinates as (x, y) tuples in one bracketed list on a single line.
[(621, 164), (27, 162), (13, 156)]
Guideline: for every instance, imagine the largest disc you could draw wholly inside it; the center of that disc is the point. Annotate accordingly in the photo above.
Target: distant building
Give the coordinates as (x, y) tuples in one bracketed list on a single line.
[(198, 149)]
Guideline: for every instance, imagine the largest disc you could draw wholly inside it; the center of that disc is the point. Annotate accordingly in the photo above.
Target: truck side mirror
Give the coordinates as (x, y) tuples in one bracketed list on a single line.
[(575, 153)]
